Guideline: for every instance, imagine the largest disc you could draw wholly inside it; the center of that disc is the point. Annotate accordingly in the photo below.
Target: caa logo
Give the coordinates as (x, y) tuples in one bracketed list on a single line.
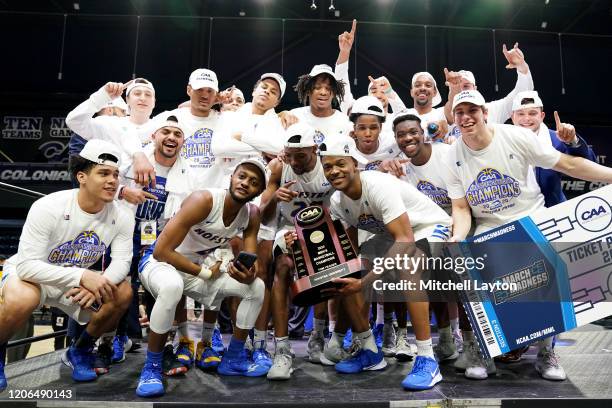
[(309, 215), (319, 137), (594, 214)]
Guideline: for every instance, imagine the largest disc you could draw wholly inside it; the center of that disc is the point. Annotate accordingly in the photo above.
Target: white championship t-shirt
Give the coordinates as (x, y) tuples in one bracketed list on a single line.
[(383, 199), (428, 177), (334, 124), (498, 181)]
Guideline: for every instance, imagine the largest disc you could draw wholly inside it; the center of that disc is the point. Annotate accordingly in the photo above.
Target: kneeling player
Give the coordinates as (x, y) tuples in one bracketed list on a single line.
[(186, 259), (64, 234)]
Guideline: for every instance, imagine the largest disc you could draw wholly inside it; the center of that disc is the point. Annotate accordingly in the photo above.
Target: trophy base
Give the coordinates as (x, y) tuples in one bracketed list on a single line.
[(306, 291)]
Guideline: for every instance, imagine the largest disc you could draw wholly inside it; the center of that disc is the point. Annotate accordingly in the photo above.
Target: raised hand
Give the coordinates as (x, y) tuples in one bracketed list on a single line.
[(515, 58), (565, 132), (345, 40), (452, 79)]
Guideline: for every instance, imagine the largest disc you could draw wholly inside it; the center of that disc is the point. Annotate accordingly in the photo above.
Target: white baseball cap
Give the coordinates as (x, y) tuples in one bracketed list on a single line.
[(341, 145), (95, 148), (467, 75), (118, 102), (322, 69), (518, 99), (204, 78), (260, 165), (170, 121), (238, 92), (278, 78), (470, 96), (368, 105), (300, 135), (437, 98), (139, 82)]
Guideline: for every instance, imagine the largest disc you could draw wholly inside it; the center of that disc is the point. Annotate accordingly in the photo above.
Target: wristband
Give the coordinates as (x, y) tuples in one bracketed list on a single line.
[(205, 273), (575, 143)]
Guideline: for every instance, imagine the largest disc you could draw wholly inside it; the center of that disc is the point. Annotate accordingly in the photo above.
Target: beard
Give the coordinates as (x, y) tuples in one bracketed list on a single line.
[(239, 199)]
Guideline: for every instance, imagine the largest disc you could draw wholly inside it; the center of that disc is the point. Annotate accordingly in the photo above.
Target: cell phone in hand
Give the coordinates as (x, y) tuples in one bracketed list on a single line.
[(246, 259), (95, 307)]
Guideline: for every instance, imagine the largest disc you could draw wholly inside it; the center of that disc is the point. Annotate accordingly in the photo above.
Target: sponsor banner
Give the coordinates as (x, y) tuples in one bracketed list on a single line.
[(34, 173)]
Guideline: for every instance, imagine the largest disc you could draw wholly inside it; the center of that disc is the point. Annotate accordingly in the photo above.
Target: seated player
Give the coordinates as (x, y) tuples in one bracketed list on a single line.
[(64, 234), (191, 257)]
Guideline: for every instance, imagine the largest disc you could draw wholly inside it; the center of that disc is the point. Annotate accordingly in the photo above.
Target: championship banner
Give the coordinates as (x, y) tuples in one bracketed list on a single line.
[(322, 252), (549, 273)]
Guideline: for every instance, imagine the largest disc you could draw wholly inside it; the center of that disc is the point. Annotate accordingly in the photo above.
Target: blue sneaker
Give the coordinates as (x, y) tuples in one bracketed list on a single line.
[(364, 360), (261, 356), (185, 351), (81, 362), (119, 343), (150, 382), (3, 383), (241, 365), (348, 340), (207, 358), (217, 341), (378, 334), (424, 375)]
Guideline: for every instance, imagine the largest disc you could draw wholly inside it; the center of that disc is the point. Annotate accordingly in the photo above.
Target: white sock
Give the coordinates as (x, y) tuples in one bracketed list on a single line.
[(424, 348), (207, 332), (332, 326), (367, 340), (337, 340), (380, 313), (281, 342), (468, 335), (454, 324), (319, 326), (547, 343), (183, 329), (260, 336), (446, 336)]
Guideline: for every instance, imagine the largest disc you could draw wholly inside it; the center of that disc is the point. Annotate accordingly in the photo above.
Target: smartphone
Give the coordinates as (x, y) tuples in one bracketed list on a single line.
[(95, 307), (247, 259)]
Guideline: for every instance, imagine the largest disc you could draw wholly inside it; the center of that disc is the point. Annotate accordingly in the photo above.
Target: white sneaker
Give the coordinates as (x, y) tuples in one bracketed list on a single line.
[(282, 367), (389, 340), (403, 350), (478, 367), (316, 344), (445, 350), (548, 366), (332, 355)]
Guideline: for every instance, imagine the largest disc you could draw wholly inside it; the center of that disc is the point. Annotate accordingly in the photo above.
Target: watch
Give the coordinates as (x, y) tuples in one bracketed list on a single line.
[(575, 143)]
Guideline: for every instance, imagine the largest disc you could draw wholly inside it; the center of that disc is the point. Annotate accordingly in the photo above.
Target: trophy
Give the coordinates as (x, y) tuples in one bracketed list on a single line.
[(322, 252)]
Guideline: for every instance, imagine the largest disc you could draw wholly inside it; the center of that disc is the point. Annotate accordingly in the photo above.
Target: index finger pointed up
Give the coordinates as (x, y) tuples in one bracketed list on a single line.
[(557, 120), (372, 80), (354, 27)]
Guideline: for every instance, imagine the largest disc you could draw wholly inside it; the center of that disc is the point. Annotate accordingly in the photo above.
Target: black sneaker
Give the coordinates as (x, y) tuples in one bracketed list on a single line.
[(103, 359), (170, 364)]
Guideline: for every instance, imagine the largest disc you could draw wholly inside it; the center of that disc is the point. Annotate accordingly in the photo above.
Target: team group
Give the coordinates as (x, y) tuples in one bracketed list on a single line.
[(171, 201)]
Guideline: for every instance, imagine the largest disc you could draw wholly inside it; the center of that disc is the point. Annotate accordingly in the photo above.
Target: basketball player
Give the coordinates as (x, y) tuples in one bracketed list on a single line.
[(64, 234), (191, 257)]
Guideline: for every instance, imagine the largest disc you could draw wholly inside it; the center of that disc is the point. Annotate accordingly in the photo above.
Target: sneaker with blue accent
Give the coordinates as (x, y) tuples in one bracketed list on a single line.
[(378, 335), (81, 362), (217, 341), (207, 358), (170, 364), (119, 348), (150, 383), (348, 340), (363, 360), (3, 383), (424, 375), (260, 354), (241, 365), (185, 351)]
